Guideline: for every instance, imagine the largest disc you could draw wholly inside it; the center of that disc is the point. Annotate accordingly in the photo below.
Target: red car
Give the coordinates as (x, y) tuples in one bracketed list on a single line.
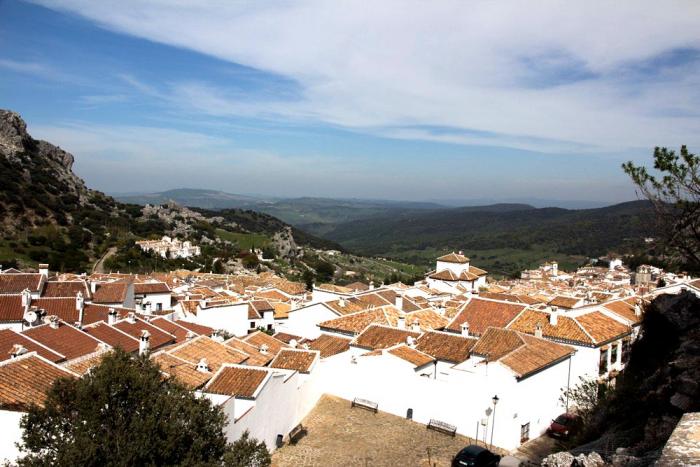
[(564, 425)]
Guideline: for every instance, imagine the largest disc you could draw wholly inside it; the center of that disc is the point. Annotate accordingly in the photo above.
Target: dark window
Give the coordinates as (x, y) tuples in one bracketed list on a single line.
[(269, 327), (252, 324), (159, 307), (626, 344), (525, 432), (613, 353), (603, 366)]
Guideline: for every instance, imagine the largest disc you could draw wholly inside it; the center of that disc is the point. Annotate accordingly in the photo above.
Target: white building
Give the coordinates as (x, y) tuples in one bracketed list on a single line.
[(170, 247), (454, 274)]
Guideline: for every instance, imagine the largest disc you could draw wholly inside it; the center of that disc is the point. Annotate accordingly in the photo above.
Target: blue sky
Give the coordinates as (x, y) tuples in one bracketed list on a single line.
[(397, 100)]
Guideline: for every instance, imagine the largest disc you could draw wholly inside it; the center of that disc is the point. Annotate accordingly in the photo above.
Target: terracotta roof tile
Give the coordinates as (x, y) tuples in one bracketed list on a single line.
[(258, 339), (11, 308), (184, 372), (329, 345), (602, 328), (54, 289), (215, 353), (16, 283), (111, 292), (428, 319), (412, 356), (445, 346), (481, 314), (24, 381), (257, 356), (196, 328), (9, 338), (112, 336), (84, 364), (382, 337), (624, 309), (159, 338), (151, 288), (237, 381), (66, 340), (295, 359), (355, 323), (567, 329), (64, 308), (453, 258)]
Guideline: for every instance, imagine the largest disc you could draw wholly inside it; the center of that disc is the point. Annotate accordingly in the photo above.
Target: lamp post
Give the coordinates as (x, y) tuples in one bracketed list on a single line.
[(493, 423)]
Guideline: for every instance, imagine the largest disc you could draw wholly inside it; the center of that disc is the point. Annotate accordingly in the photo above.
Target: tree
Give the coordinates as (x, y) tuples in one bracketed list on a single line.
[(585, 397), (124, 412), (309, 277), (247, 452), (675, 195), (325, 271)]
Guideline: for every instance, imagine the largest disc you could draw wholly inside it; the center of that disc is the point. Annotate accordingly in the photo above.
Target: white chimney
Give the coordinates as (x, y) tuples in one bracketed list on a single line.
[(341, 302), (465, 329), (190, 335), (80, 306), (401, 322), (44, 270), (17, 350), (554, 316), (305, 346), (93, 287), (410, 341), (415, 326), (538, 330), (399, 301), (293, 343), (371, 285), (53, 321), (144, 342), (263, 349), (131, 317), (203, 366), (26, 298), (637, 309), (111, 316)]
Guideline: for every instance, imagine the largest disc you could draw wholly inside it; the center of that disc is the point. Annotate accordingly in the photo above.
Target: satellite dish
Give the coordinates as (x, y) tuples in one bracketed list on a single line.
[(31, 316)]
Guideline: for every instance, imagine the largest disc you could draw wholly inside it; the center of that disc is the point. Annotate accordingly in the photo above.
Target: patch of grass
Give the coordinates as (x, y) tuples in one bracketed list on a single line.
[(245, 241)]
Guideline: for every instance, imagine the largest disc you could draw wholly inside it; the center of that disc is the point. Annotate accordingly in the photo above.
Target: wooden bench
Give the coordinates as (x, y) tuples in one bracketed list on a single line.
[(297, 433), (365, 404), (442, 427)]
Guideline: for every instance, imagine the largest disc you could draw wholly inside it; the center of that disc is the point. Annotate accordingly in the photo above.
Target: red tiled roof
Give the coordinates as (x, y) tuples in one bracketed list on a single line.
[(151, 288), (111, 292), (411, 355), (236, 381), (453, 258), (112, 336), (158, 338), (295, 359), (11, 308), (381, 337), (64, 308), (66, 340), (481, 314), (24, 381), (53, 289), (9, 338), (329, 345), (196, 328), (17, 282), (445, 346)]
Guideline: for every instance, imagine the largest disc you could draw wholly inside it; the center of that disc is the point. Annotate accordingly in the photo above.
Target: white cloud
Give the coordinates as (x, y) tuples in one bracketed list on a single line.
[(460, 64)]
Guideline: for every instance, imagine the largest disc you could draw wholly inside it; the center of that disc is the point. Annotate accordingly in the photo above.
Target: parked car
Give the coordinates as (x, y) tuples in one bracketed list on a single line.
[(564, 425), (475, 456)]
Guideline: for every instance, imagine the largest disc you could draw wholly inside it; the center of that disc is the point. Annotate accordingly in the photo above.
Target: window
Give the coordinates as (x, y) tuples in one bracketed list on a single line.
[(252, 324), (269, 327), (525, 432), (159, 307), (603, 365), (613, 353), (626, 344)]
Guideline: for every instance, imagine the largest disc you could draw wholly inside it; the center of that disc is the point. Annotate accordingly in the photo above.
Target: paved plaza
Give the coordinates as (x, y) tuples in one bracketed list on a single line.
[(341, 435)]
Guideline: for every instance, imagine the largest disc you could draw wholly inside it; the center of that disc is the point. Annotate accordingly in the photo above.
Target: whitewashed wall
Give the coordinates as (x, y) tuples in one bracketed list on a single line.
[(11, 434)]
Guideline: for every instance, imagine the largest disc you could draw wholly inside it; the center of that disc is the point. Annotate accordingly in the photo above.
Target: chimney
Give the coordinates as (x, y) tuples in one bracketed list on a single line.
[(410, 341), (17, 350), (538, 330), (144, 342), (190, 335), (415, 326), (371, 285), (460, 253), (465, 329), (341, 302), (401, 322), (93, 287), (399, 301), (111, 316), (263, 349), (53, 321), (44, 270), (26, 299), (131, 317), (203, 366), (554, 316), (80, 306), (637, 309), (305, 346), (293, 343)]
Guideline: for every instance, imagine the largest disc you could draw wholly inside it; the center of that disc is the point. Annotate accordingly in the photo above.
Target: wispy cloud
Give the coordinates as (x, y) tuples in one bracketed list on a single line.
[(526, 73)]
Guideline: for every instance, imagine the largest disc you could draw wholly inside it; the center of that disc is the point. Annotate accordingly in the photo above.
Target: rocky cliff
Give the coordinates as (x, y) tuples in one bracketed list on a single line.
[(660, 383)]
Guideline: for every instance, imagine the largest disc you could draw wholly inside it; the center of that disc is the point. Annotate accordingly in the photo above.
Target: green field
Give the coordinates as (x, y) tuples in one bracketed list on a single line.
[(245, 241), (499, 262)]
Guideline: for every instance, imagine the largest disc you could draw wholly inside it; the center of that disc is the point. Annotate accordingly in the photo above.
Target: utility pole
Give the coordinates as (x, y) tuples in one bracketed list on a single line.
[(493, 422)]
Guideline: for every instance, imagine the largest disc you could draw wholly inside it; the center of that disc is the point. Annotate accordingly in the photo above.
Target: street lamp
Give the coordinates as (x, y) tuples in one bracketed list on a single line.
[(493, 423)]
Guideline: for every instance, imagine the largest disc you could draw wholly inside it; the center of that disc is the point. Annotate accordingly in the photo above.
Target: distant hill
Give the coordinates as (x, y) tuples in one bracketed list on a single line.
[(48, 214), (315, 215), (584, 233)]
